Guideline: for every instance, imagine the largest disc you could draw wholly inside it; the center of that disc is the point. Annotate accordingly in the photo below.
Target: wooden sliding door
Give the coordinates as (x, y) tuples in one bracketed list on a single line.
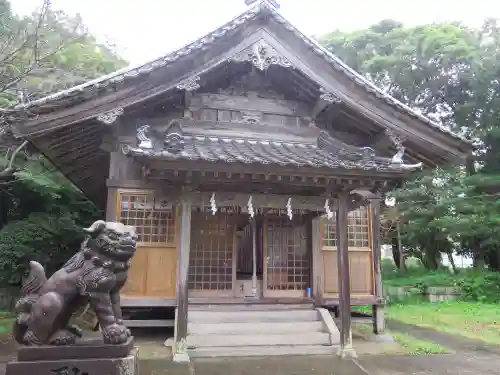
[(286, 258), (212, 258)]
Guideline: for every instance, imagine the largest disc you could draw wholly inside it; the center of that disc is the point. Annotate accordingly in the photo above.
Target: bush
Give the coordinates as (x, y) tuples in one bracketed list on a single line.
[(480, 286), (476, 285), (50, 240)]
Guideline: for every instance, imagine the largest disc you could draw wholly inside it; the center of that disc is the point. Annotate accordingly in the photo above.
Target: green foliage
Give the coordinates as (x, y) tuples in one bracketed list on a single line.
[(44, 220), (476, 285), (41, 212), (46, 52), (480, 286), (449, 72)]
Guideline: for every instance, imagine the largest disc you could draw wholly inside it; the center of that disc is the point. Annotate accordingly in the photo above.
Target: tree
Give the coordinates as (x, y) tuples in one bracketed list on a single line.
[(41, 212), (448, 72)]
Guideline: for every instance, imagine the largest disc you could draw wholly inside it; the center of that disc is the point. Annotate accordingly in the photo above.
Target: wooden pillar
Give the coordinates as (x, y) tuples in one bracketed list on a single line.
[(378, 310), (316, 244), (181, 316), (346, 349)]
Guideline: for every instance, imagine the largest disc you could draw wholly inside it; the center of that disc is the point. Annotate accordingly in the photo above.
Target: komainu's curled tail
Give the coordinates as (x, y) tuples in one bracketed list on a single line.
[(35, 280), (29, 295)]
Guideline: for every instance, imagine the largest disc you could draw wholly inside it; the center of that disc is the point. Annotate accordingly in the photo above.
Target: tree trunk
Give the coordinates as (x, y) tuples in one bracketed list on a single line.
[(452, 262), (402, 260), (395, 252)]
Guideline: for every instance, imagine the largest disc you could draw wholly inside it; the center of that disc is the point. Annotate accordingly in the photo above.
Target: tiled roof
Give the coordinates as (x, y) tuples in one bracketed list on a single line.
[(250, 14), (248, 151)]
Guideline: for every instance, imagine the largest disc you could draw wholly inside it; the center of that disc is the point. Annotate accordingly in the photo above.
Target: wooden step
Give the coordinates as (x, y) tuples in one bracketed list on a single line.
[(252, 307), (258, 339), (252, 316), (262, 351), (255, 327)]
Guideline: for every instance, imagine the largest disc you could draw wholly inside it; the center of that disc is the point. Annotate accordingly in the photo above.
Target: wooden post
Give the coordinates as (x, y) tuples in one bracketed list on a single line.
[(346, 349), (316, 244), (181, 317), (378, 310), (254, 256)]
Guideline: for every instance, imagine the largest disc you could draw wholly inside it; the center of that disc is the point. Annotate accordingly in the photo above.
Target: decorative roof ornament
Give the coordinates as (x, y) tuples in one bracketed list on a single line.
[(110, 117), (262, 56), (251, 212), (174, 138), (272, 3), (397, 160), (190, 84), (213, 204), (289, 210), (143, 141), (329, 97), (329, 212)]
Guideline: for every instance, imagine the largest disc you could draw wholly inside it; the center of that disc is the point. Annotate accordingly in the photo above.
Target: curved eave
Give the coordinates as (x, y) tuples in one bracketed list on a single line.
[(264, 13)]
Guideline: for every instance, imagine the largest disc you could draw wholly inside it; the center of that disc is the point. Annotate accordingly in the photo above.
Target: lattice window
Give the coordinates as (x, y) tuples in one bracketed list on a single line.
[(357, 230), (153, 218), (288, 260), (211, 256)]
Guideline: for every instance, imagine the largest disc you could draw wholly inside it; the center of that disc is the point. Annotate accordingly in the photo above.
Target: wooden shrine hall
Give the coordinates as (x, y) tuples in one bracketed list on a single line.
[(253, 163)]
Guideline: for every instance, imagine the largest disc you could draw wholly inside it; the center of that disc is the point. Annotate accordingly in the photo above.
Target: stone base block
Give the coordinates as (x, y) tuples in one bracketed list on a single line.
[(87, 358)]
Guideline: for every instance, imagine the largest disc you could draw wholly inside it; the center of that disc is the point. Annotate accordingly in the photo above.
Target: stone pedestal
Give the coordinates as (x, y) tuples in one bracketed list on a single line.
[(88, 357)]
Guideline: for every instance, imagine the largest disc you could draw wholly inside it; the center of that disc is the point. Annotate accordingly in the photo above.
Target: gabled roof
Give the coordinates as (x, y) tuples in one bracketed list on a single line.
[(260, 9)]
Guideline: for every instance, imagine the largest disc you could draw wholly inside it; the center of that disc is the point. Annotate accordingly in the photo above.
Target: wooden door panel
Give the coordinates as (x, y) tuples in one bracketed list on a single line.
[(136, 281), (286, 261), (153, 273), (161, 275)]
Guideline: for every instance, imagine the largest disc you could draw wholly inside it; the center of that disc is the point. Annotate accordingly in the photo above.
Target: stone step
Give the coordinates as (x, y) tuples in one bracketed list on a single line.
[(252, 307), (204, 316), (262, 339), (262, 351), (255, 327)]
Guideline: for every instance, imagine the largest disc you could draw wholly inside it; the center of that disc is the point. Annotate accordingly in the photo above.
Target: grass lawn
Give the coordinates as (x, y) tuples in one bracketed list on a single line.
[(407, 345), (472, 320)]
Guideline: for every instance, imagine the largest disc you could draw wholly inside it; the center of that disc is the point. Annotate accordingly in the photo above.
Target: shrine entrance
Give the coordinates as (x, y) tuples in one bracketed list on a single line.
[(235, 256), (286, 257)]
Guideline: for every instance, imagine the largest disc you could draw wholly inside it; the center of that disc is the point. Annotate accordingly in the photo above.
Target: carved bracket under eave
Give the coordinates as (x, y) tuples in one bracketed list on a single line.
[(262, 56), (190, 84), (110, 117), (329, 97)]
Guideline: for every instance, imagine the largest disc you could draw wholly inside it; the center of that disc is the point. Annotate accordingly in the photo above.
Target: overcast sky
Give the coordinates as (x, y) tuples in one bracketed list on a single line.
[(146, 29)]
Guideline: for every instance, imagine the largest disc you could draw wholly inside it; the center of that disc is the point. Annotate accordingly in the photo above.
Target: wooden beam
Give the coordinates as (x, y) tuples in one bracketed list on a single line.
[(346, 349), (378, 310), (181, 319)]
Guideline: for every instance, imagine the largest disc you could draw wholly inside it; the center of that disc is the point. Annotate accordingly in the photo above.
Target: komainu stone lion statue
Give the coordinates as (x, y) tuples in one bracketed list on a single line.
[(94, 275)]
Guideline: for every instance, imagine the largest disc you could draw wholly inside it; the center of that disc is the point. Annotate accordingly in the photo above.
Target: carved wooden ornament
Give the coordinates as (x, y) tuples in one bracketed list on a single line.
[(262, 56), (110, 117), (191, 84)]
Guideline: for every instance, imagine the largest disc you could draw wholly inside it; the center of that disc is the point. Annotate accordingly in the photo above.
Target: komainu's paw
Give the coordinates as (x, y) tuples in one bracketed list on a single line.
[(75, 330), (63, 337), (115, 334)]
